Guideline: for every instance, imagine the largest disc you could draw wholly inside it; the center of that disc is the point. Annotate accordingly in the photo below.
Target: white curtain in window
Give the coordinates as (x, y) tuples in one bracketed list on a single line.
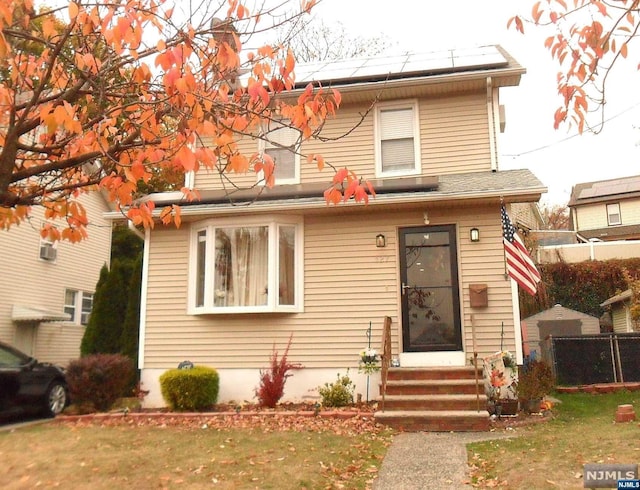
[(241, 266), (286, 263)]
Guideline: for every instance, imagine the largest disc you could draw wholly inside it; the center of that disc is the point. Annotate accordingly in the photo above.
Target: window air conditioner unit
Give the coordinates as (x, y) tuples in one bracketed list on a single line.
[(48, 252)]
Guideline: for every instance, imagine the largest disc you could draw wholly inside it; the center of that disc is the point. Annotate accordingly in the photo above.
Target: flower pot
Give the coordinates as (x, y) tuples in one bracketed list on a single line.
[(369, 359), (532, 406), (509, 406)]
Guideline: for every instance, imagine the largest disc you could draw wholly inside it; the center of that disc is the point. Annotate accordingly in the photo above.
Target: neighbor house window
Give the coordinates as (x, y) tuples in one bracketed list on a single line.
[(240, 267), (78, 305), (70, 303), (397, 139), (613, 214), (87, 306), (282, 144)]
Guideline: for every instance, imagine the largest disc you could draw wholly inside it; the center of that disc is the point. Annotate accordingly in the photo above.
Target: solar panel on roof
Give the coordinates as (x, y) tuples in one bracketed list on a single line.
[(611, 187), (381, 66)]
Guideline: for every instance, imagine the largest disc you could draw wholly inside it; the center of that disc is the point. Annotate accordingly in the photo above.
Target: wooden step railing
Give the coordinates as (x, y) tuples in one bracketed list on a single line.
[(385, 357)]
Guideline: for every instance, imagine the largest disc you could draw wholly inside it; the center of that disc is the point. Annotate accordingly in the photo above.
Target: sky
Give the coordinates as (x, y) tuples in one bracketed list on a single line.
[(559, 158)]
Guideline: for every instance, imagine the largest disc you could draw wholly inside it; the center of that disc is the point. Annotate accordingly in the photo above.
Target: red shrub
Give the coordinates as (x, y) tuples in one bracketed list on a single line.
[(99, 379), (272, 380)]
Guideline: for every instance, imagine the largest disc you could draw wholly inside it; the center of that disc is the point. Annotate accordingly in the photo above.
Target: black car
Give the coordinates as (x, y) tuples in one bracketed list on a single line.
[(28, 386)]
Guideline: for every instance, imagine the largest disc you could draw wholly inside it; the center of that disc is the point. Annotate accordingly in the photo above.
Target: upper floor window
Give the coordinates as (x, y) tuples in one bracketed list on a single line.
[(78, 305), (397, 139), (613, 214), (246, 267), (282, 143)]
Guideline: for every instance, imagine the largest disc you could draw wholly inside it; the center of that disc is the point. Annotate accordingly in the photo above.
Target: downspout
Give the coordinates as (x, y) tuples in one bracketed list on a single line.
[(491, 119), (135, 230)]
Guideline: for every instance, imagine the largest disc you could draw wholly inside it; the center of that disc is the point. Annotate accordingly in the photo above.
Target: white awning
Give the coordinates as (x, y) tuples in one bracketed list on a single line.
[(22, 313)]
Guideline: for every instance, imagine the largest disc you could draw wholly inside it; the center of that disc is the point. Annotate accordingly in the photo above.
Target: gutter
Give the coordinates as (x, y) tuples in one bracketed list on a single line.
[(413, 82), (320, 203)]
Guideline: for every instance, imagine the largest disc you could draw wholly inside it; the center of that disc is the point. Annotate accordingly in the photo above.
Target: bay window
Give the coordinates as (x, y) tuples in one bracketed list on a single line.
[(246, 267)]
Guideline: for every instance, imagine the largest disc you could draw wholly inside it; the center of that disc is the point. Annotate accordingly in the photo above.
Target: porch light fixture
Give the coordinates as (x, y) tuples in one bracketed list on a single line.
[(474, 235), (381, 241)]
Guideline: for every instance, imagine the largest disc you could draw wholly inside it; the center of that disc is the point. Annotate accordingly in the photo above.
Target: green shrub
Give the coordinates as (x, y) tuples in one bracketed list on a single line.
[(338, 393), (535, 380), (190, 389), (99, 379)]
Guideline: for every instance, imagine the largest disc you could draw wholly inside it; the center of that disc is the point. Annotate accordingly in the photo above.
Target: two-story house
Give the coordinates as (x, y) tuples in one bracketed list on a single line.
[(48, 287), (236, 280), (606, 210)]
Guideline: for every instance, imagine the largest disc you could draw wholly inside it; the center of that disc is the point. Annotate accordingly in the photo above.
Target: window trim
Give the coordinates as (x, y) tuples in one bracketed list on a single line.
[(262, 148), (405, 104), (69, 305), (272, 222), (78, 300), (609, 222)]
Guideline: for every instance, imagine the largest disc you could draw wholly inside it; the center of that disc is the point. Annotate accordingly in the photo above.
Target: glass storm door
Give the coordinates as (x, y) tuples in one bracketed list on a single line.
[(430, 294)]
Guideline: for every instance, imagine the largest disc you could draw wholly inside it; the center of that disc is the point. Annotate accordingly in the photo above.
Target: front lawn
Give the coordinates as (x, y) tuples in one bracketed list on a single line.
[(552, 454), (205, 452)]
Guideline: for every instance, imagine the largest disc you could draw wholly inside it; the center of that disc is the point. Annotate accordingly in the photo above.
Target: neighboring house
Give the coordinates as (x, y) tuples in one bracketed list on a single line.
[(527, 217), (234, 282), (48, 287), (556, 321), (607, 209), (619, 306)]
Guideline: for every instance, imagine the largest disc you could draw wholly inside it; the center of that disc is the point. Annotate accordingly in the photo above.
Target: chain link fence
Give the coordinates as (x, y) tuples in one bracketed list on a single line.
[(590, 359)]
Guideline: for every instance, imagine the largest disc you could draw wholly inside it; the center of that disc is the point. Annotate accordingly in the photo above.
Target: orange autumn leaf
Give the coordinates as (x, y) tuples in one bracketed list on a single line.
[(162, 98)]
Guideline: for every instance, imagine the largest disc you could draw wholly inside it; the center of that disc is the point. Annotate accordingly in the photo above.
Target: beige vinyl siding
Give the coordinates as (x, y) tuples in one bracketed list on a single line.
[(33, 282), (594, 216), (620, 318), (348, 283), (453, 136), (524, 214), (58, 343)]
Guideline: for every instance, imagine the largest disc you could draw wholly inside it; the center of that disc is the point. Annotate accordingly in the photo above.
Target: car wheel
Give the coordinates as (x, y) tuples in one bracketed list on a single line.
[(56, 399)]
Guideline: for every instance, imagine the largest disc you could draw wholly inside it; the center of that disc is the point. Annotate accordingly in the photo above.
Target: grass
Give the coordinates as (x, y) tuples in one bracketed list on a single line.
[(551, 455), (194, 454)]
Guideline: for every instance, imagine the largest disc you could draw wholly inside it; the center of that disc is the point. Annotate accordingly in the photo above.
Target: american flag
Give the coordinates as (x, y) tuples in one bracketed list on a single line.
[(519, 264)]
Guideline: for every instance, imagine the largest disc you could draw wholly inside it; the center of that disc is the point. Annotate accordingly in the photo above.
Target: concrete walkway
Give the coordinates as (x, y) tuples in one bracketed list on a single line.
[(428, 460)]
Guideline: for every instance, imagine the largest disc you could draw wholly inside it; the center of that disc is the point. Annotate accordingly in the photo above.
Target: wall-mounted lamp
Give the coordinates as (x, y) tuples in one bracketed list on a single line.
[(380, 241), (474, 235)]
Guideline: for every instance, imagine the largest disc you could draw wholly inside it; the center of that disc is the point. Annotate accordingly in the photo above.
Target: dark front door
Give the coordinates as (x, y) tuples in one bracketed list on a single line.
[(430, 294)]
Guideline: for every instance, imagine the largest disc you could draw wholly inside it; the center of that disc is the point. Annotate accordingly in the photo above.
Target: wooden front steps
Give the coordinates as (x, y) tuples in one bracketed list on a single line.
[(434, 399)]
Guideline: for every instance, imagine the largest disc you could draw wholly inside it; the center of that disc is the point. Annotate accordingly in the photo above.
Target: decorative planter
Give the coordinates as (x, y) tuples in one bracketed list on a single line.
[(509, 406), (532, 406)]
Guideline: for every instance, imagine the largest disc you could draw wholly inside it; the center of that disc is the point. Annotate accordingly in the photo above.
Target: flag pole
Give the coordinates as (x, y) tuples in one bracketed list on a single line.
[(504, 251)]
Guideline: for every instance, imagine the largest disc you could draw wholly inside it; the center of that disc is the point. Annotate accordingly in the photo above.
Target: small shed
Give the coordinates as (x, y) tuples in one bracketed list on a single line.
[(556, 321), (619, 306)]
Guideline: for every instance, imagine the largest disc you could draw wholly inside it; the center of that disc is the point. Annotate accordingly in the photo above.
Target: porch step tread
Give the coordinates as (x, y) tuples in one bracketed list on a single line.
[(403, 382), (432, 413), (434, 368), (436, 397)]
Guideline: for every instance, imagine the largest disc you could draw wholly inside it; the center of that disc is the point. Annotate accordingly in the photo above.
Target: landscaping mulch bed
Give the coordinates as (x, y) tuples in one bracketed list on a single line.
[(522, 419), (287, 416)]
